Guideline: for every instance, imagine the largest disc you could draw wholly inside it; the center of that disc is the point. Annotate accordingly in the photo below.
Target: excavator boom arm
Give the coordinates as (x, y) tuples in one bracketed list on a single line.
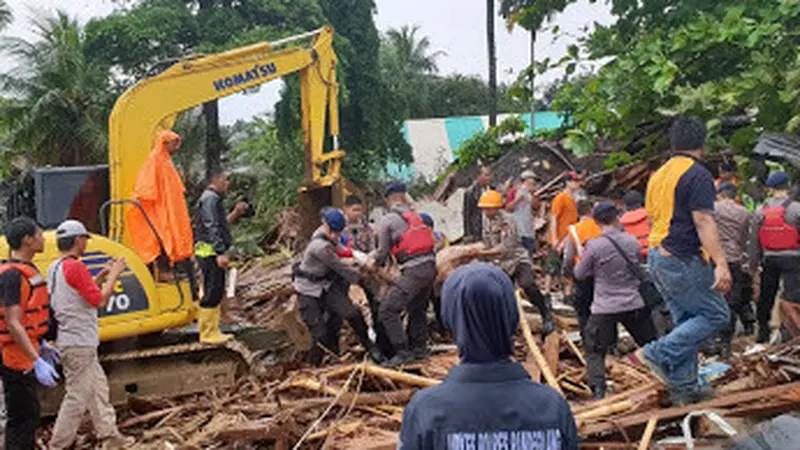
[(152, 104)]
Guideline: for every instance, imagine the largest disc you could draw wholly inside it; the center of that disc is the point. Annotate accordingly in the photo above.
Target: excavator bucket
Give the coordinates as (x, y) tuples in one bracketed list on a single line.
[(311, 202)]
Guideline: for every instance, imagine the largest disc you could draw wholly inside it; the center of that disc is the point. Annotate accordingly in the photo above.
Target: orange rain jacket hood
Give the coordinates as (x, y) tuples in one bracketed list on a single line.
[(161, 193)]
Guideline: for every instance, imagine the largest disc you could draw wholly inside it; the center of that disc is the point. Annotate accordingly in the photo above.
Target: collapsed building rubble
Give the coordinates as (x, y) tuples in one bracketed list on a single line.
[(353, 404)]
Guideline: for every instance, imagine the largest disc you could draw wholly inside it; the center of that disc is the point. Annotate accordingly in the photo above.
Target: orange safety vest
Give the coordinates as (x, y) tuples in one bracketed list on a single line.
[(635, 223), (581, 232), (34, 304)]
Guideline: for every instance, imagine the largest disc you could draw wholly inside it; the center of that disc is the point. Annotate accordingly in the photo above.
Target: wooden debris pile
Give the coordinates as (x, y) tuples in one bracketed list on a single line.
[(357, 405), (360, 405)]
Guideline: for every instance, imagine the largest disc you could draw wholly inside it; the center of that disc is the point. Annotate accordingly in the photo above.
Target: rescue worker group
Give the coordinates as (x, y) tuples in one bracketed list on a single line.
[(678, 267)]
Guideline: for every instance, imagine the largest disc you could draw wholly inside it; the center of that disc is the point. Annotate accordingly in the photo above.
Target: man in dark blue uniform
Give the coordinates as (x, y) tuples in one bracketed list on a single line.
[(487, 401)]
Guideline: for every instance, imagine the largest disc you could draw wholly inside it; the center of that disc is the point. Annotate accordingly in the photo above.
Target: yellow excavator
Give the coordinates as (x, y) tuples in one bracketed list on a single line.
[(139, 354)]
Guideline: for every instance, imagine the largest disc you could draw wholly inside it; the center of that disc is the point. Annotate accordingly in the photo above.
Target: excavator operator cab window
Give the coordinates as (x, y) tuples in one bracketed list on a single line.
[(54, 194)]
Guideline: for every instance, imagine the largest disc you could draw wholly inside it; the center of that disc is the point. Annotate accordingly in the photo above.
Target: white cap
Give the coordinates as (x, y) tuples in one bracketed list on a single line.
[(527, 174), (71, 228)]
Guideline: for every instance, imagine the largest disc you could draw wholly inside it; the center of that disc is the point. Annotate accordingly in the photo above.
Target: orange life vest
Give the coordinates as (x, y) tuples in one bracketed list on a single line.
[(34, 304), (417, 240), (635, 223)]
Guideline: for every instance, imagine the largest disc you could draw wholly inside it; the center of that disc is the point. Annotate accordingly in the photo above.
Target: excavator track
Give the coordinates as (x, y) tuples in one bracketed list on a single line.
[(176, 369)]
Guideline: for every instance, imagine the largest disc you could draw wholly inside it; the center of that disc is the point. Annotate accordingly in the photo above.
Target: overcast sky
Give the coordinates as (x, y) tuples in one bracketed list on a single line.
[(456, 27)]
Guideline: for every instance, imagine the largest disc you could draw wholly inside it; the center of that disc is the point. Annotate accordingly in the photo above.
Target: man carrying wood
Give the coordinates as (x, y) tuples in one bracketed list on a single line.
[(402, 235), (502, 240), (322, 281), (488, 397), (359, 236)]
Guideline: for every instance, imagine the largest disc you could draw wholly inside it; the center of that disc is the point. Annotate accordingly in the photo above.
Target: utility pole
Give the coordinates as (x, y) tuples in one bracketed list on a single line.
[(533, 84), (490, 42)]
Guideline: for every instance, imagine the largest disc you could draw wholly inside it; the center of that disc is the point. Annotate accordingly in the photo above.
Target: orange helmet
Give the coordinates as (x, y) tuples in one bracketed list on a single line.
[(490, 199)]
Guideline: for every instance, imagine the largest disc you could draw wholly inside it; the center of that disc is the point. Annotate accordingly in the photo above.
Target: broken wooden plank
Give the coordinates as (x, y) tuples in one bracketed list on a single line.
[(270, 430), (647, 436), (345, 428), (400, 377), (678, 412), (537, 354), (633, 394), (574, 348), (552, 348), (606, 410)]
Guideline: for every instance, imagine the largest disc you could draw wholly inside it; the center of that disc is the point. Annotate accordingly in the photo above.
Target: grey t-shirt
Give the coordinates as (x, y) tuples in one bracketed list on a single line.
[(523, 214)]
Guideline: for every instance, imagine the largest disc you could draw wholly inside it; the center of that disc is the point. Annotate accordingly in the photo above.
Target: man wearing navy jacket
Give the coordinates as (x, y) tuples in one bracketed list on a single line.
[(487, 401)]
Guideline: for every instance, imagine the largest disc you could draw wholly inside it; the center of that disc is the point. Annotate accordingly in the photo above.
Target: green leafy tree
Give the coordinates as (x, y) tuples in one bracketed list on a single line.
[(413, 54), (269, 179), (370, 112), (407, 66), (58, 97), (701, 57)]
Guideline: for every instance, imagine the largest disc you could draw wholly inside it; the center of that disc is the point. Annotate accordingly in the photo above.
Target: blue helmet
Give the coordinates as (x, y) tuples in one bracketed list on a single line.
[(334, 219), (778, 180)]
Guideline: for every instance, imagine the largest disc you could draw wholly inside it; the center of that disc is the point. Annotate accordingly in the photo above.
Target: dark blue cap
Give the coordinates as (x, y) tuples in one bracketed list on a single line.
[(605, 211), (727, 186), (395, 188), (427, 220), (334, 219), (777, 180)]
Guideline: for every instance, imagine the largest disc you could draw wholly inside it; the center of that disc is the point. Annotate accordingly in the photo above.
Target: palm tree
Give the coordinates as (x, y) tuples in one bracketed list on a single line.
[(59, 98), (406, 60), (413, 55), (492, 62)]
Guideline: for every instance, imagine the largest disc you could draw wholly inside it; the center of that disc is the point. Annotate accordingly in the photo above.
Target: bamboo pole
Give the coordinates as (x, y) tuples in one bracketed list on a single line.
[(402, 377), (537, 354), (607, 410), (644, 444), (573, 347)]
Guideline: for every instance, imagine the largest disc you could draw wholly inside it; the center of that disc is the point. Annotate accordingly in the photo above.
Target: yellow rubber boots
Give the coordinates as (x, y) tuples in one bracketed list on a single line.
[(208, 325)]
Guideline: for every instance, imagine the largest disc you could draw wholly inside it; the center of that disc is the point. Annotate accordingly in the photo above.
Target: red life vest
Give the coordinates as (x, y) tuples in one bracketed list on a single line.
[(417, 240), (775, 233), (34, 301)]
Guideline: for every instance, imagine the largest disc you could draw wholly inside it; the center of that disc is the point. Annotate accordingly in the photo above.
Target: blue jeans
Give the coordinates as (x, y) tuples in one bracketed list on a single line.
[(698, 313)]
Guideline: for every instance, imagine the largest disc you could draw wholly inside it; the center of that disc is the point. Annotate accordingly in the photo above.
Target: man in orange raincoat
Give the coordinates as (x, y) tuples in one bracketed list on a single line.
[(161, 193)]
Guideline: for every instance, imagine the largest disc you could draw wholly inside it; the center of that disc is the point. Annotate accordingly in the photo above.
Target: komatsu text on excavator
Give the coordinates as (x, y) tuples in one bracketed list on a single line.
[(139, 357)]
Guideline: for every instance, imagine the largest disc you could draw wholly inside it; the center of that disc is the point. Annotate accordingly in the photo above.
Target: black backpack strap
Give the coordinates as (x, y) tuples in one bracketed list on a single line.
[(634, 268)]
